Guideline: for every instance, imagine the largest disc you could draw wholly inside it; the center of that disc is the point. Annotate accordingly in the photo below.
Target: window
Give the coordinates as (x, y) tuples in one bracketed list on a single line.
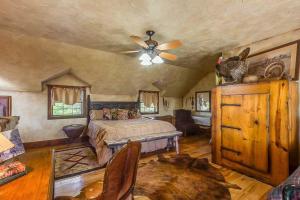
[(66, 102), (149, 102)]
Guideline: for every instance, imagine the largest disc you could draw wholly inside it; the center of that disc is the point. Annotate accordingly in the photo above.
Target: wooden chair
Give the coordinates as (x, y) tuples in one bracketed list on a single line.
[(185, 123), (119, 178)]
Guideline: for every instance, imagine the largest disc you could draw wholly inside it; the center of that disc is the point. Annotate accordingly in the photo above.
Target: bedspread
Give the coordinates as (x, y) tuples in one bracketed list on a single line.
[(100, 130)]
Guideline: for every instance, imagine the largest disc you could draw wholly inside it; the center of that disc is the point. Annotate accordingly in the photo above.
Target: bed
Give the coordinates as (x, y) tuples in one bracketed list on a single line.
[(101, 130)]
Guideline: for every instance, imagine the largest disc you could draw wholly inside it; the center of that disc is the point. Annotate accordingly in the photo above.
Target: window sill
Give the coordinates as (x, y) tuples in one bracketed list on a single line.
[(65, 117), (154, 113)]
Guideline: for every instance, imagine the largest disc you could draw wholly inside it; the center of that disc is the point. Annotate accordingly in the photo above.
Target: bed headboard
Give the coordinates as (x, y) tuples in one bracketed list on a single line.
[(98, 105)]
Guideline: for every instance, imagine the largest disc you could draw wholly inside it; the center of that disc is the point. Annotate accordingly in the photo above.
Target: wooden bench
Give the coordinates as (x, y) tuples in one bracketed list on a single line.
[(172, 137)]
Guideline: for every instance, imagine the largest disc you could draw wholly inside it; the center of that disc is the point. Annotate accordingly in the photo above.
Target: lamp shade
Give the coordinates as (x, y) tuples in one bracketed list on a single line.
[(145, 57), (5, 144), (146, 62), (157, 60)]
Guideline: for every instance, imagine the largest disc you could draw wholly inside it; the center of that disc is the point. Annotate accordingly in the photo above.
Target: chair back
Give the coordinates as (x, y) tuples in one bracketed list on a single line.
[(120, 173), (183, 115)]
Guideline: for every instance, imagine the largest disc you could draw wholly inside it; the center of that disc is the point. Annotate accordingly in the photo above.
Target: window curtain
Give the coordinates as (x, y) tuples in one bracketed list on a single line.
[(67, 95), (149, 98)]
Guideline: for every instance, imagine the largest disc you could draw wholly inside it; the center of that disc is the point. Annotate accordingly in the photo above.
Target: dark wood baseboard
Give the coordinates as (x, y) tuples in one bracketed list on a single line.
[(56, 142)]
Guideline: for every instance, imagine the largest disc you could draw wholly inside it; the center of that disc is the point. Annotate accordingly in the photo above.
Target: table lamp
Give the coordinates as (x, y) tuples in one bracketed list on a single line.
[(5, 144)]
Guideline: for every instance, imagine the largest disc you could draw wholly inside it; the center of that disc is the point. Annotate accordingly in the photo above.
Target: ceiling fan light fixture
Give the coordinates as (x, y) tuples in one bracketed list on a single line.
[(157, 60), (153, 51), (146, 62), (145, 57)]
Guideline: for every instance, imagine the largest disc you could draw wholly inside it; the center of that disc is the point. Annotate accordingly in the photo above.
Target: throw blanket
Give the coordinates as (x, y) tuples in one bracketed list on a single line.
[(181, 177), (287, 189), (100, 130)]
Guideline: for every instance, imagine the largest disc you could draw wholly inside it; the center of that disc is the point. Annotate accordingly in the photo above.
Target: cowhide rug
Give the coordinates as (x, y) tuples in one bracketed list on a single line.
[(181, 177)]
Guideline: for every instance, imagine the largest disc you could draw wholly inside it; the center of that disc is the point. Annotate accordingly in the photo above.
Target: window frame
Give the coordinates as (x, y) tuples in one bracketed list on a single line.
[(139, 98), (50, 109)]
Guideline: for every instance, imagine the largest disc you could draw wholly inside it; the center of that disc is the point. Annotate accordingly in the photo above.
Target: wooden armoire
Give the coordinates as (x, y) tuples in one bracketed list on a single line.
[(254, 129)]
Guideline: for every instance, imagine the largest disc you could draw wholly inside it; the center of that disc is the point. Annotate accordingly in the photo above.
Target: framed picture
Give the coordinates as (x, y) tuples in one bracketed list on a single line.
[(203, 101), (5, 106), (275, 62)]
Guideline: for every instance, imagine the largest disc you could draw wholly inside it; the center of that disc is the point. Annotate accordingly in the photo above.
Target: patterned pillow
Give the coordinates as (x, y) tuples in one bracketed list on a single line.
[(134, 114), (114, 114), (106, 114), (96, 114), (122, 114)]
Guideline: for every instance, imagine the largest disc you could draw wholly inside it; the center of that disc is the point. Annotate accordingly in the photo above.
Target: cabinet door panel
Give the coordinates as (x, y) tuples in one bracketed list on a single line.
[(232, 145), (244, 128)]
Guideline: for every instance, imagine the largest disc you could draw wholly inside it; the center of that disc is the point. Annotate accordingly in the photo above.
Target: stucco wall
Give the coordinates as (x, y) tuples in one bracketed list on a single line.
[(205, 84), (32, 108), (174, 103), (34, 125), (27, 61), (265, 44)]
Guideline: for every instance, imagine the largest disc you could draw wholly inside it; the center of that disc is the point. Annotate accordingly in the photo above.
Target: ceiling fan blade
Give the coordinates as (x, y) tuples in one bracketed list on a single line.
[(168, 56), (139, 41), (126, 52), (170, 45)]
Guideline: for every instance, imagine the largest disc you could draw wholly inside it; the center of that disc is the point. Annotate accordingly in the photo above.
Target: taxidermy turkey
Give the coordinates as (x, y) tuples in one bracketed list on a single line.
[(234, 68)]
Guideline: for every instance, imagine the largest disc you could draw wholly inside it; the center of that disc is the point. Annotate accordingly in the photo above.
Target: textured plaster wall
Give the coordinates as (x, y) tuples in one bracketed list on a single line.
[(34, 125), (265, 44), (26, 61), (32, 108), (204, 26), (174, 102), (205, 84)]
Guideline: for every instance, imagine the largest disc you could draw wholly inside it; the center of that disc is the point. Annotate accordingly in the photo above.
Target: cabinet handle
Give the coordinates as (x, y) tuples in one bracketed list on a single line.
[(230, 104), (232, 150), (236, 128)]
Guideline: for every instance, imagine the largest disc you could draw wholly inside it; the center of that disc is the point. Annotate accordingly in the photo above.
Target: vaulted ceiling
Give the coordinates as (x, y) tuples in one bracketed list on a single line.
[(205, 27)]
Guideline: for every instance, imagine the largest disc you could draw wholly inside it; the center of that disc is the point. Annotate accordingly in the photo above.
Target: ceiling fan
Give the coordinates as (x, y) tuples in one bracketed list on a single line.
[(152, 52)]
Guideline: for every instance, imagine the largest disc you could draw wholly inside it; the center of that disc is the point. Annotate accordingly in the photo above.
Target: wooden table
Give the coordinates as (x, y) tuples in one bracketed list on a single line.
[(38, 183)]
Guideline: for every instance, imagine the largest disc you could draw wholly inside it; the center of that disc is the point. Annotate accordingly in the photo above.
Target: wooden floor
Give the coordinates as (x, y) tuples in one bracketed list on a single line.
[(195, 146)]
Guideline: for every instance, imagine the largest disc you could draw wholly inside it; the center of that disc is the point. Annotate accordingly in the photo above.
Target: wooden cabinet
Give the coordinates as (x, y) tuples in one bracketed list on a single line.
[(254, 129)]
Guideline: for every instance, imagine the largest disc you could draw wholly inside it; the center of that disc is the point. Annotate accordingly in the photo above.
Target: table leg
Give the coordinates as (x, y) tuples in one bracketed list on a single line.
[(113, 150), (169, 144), (177, 145)]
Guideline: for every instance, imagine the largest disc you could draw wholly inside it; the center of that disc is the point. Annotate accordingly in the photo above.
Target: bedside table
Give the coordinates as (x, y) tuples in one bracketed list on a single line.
[(74, 131)]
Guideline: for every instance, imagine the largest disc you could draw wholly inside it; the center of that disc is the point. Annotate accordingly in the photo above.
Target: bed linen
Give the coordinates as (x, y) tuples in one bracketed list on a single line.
[(100, 130)]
